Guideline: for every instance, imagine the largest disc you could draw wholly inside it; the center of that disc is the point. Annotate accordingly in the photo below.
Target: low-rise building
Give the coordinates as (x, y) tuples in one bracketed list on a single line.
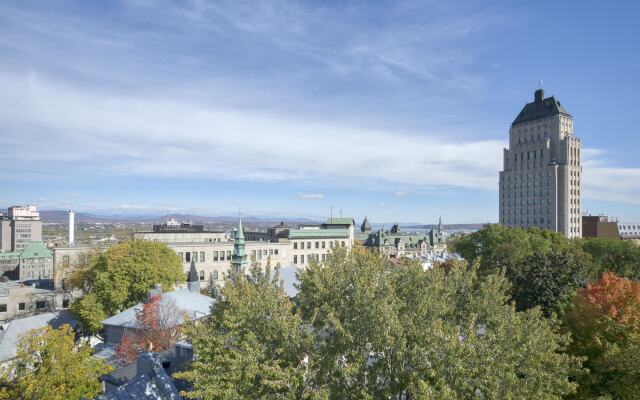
[(630, 231), (33, 262), (599, 226)]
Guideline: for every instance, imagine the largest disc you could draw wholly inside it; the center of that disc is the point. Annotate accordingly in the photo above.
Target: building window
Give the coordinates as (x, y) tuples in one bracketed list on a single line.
[(317, 245), (343, 244), (215, 274), (295, 259), (65, 261), (22, 306), (215, 256), (324, 244), (229, 255), (187, 256), (201, 275), (3, 308), (275, 251), (302, 259), (40, 305), (65, 303), (308, 245), (295, 245), (195, 256), (202, 256)]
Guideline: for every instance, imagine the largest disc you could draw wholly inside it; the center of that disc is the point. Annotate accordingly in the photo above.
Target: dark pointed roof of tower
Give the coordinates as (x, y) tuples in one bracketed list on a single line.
[(193, 273), (540, 108), (366, 226)]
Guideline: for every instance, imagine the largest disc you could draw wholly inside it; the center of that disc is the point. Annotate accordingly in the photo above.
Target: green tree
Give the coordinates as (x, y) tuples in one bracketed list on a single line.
[(122, 276), (446, 333), (613, 255), (498, 246), (49, 365), (253, 346), (547, 280), (89, 312)]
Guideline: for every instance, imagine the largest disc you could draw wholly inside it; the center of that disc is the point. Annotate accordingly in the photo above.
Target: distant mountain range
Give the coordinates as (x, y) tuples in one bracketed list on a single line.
[(62, 216)]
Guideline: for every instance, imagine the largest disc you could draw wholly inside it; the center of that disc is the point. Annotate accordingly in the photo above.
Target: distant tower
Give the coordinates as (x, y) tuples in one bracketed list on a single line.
[(239, 258), (540, 184), (366, 226), (193, 281), (72, 227)]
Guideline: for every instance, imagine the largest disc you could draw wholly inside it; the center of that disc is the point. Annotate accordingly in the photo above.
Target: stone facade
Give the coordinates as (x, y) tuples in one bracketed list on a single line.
[(396, 243), (540, 184)]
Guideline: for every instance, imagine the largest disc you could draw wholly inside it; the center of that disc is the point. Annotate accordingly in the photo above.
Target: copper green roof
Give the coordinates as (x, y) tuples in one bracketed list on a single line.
[(318, 233), (339, 221), (8, 255), (36, 250)]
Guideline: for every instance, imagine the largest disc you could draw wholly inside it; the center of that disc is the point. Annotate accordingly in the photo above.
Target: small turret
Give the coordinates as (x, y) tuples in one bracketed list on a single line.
[(193, 283), (366, 226)]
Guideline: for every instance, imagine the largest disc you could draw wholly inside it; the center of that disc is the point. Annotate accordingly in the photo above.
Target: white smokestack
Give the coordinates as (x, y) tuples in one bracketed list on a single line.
[(72, 227)]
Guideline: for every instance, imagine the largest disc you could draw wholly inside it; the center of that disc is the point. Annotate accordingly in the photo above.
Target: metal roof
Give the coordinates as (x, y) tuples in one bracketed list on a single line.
[(36, 250), (339, 221), (12, 331), (536, 110), (194, 305), (318, 233)]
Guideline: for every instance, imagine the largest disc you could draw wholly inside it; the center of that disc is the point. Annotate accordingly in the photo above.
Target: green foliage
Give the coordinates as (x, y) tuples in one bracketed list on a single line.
[(49, 365), (122, 276), (547, 280), (613, 255), (253, 346), (443, 333), (89, 312), (498, 246)]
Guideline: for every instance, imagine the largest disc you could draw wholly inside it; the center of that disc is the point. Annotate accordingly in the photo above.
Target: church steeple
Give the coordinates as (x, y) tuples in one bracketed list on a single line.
[(239, 258)]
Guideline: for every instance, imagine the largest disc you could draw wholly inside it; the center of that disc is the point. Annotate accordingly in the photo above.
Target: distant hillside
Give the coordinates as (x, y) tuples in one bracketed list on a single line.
[(61, 216)]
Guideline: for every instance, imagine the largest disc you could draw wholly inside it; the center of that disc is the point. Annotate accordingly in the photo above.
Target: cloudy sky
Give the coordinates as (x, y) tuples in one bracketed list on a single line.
[(398, 110)]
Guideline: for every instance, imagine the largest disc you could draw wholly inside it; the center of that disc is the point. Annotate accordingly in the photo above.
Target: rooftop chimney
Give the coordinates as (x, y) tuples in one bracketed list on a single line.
[(539, 95), (72, 227)]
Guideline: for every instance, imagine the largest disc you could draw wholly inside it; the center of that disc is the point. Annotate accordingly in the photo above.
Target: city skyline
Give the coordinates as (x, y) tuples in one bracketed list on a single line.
[(398, 111)]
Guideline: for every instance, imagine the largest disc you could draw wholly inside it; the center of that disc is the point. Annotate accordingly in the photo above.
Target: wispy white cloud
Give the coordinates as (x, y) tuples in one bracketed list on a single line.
[(602, 180), (310, 196), (401, 194)]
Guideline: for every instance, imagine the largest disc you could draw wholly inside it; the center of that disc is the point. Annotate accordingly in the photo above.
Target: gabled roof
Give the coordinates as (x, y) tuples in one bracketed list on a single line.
[(194, 305), (36, 250), (542, 109)]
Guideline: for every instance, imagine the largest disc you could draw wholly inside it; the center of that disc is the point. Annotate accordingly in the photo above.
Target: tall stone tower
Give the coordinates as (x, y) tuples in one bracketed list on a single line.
[(239, 258), (540, 182)]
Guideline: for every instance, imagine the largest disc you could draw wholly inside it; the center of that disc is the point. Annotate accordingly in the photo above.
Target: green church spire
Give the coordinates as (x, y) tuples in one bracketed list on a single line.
[(239, 259)]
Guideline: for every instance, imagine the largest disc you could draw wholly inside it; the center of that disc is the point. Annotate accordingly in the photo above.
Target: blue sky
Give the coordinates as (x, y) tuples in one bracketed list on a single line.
[(397, 110)]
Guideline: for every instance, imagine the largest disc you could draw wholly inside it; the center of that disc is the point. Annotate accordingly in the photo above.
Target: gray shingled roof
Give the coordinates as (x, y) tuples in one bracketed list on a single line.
[(154, 385), (532, 111), (11, 332), (195, 306)]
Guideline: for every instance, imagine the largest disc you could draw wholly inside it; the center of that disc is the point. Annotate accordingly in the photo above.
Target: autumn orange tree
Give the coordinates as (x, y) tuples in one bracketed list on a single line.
[(157, 329), (605, 324)]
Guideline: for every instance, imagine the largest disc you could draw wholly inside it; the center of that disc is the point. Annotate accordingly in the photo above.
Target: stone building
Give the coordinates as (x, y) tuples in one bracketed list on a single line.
[(34, 262), (281, 245), (397, 243), (20, 226), (540, 182)]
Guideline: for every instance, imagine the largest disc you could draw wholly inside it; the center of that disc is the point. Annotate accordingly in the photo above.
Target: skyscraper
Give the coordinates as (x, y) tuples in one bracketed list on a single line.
[(540, 182)]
